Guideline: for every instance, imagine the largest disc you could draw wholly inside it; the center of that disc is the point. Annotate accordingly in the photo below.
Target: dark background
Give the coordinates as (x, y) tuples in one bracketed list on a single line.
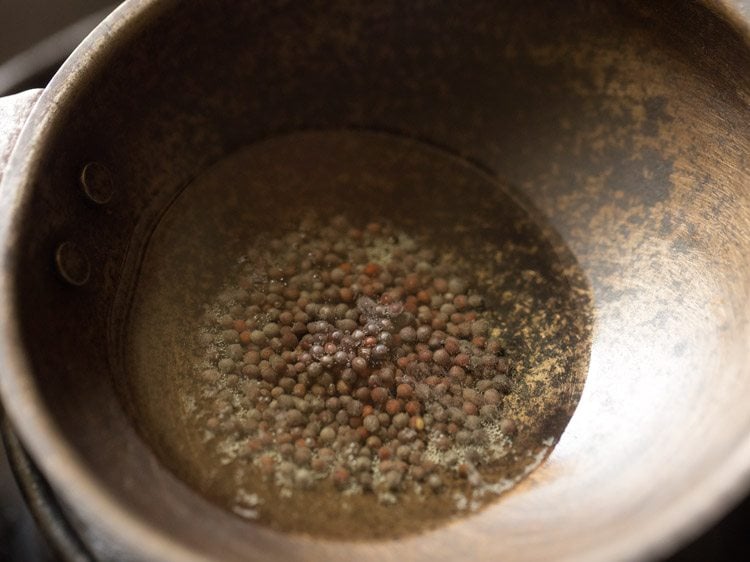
[(35, 36), (25, 22)]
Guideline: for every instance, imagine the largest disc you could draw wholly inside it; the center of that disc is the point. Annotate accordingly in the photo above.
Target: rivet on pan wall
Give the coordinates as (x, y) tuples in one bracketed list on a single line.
[(72, 264), (97, 183)]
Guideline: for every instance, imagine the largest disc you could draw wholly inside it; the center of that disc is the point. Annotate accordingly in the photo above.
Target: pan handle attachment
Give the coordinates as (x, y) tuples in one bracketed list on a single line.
[(14, 111)]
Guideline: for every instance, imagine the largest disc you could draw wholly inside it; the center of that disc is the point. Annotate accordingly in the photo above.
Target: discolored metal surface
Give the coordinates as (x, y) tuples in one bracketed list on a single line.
[(625, 124)]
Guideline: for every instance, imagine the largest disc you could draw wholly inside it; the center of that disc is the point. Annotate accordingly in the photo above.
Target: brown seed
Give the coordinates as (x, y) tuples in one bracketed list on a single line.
[(340, 477), (471, 395), (480, 328), (441, 357), (456, 373), (362, 393), (393, 406), (286, 318), (423, 297), (400, 421), (278, 365), (354, 407), (479, 341), (371, 423), (346, 294), (463, 437), (387, 465), (289, 340), (470, 408), (416, 422), (473, 422), (302, 455), (460, 302), (402, 362), (433, 380), (327, 435), (484, 384), (411, 305), (372, 269), (451, 345), (461, 360), (439, 322), (411, 283), (258, 337), (440, 284), (404, 391), (359, 365), (408, 334), (333, 404), (253, 445), (422, 391), (326, 453), (413, 407), (418, 473), (492, 396), (318, 390), (379, 394)]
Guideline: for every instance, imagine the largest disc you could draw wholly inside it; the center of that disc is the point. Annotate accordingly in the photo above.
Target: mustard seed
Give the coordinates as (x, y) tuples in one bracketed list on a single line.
[(393, 406), (371, 423), (403, 391)]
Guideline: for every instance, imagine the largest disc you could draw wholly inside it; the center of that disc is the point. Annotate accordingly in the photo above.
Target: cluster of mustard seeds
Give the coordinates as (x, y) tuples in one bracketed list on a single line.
[(357, 357)]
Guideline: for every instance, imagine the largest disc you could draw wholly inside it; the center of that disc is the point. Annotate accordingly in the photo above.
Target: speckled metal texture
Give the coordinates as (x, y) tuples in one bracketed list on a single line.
[(627, 124), (14, 110)]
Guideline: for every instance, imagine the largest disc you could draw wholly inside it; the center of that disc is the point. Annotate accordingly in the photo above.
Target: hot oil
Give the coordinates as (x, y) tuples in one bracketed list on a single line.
[(253, 206)]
